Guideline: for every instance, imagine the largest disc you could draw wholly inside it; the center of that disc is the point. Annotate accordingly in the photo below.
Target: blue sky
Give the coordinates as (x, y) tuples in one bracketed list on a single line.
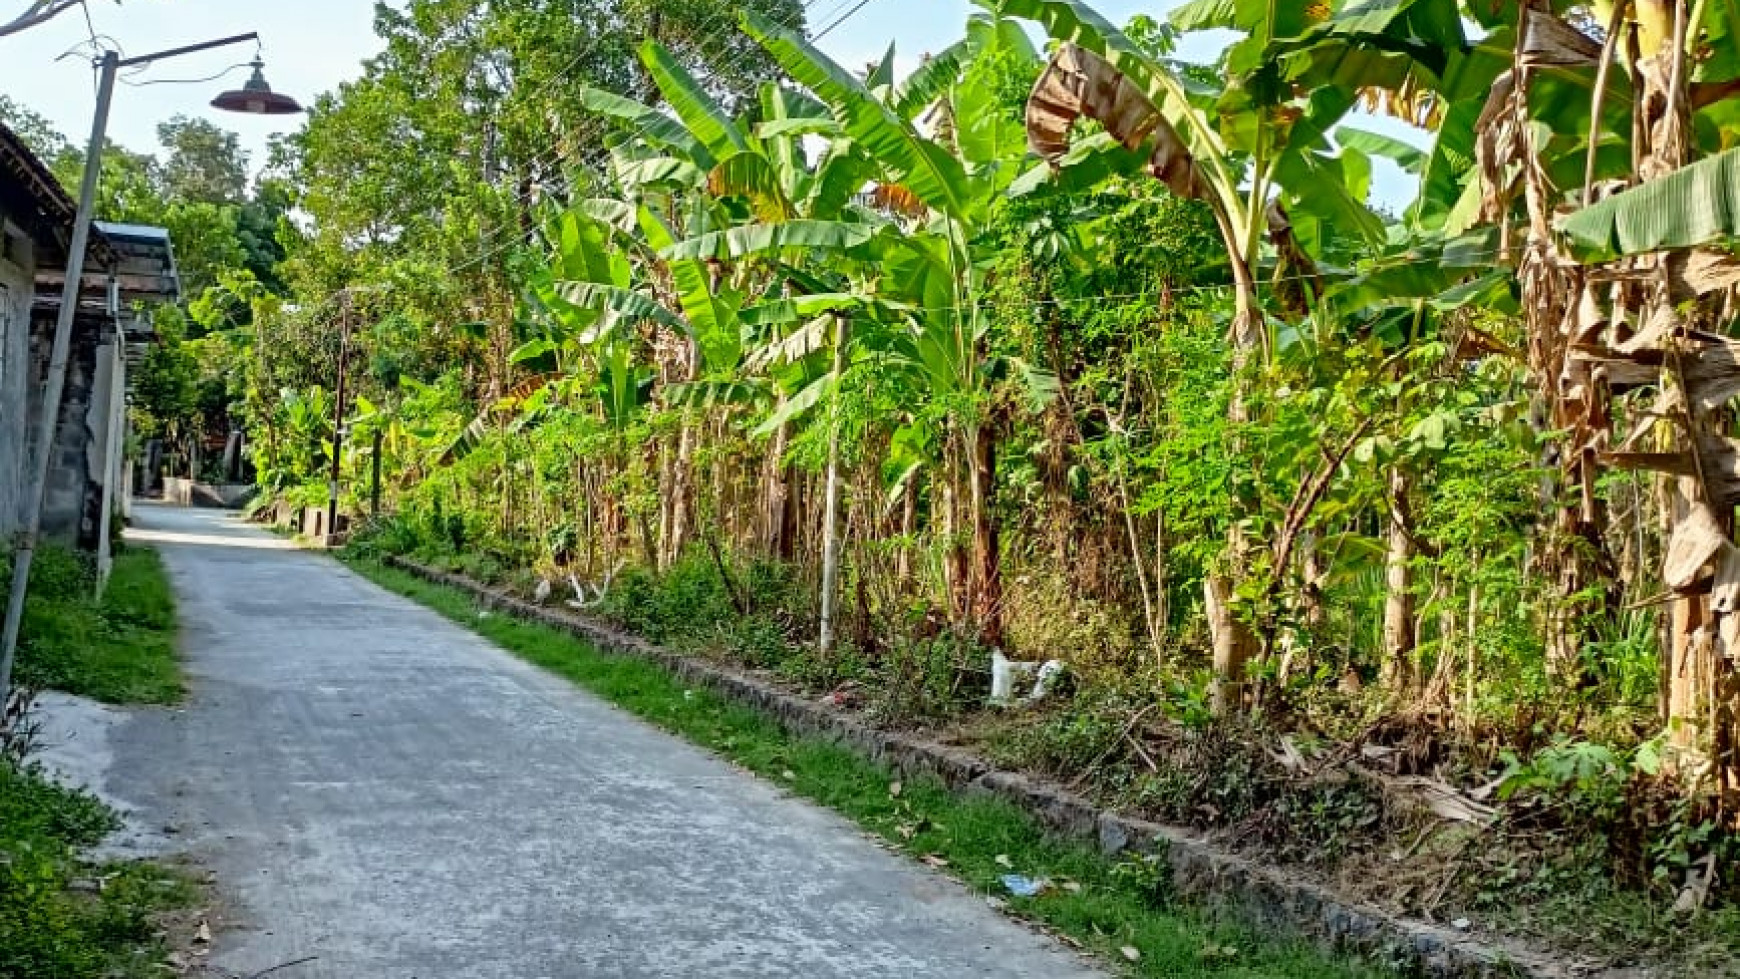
[(311, 46)]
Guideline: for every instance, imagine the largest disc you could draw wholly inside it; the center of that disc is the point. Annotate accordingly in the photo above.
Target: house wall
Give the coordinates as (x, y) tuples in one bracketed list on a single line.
[(17, 280), (72, 508)]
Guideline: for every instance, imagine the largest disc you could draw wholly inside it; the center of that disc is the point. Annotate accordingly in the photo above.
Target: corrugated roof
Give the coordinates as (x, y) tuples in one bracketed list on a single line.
[(136, 232)]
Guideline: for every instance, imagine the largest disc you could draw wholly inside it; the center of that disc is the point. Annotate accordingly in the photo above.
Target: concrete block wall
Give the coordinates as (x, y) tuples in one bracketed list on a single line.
[(17, 280), (72, 509)]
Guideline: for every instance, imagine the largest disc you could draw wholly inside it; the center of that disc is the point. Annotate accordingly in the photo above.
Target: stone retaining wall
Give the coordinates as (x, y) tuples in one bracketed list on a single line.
[(1201, 869), (181, 491)]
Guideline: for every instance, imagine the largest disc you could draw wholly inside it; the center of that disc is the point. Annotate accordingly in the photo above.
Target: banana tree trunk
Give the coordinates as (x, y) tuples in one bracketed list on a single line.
[(682, 493), (831, 496), (1234, 641), (1650, 332), (908, 533), (1570, 549), (776, 498), (1400, 636), (948, 491), (987, 569)]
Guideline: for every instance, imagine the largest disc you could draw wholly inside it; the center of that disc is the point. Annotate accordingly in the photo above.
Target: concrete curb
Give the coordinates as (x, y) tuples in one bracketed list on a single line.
[(1200, 869)]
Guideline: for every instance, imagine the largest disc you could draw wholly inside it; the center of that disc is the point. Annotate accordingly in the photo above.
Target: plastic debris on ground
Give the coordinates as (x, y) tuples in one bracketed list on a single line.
[(1022, 886)]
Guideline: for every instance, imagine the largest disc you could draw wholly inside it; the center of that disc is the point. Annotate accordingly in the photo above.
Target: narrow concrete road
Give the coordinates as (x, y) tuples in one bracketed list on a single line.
[(381, 789)]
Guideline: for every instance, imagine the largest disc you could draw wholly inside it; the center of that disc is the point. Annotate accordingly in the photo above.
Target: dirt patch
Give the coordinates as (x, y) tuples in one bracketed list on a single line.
[(74, 743)]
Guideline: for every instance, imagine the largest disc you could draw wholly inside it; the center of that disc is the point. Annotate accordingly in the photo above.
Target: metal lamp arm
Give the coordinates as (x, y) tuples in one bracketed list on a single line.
[(223, 42)]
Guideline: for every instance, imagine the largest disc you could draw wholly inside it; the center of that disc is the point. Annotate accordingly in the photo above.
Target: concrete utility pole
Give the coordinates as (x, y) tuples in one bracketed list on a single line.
[(338, 418), (255, 99)]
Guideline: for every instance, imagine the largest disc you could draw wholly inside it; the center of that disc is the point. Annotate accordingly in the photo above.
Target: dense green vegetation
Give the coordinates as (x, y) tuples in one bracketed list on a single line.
[(1361, 531), (1104, 904), (118, 648)]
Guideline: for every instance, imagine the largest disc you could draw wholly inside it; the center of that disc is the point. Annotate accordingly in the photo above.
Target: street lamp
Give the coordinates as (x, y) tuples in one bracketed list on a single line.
[(256, 98)]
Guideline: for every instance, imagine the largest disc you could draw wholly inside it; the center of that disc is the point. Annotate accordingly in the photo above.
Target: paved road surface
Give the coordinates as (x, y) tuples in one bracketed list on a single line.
[(381, 789)]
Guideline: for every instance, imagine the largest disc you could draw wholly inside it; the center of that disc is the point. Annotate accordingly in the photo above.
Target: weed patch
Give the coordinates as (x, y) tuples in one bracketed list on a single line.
[(120, 648), (64, 917)]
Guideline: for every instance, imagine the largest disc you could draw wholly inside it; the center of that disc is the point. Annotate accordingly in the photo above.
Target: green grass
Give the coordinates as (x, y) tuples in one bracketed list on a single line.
[(1108, 905), (61, 916), (119, 649), (108, 925)]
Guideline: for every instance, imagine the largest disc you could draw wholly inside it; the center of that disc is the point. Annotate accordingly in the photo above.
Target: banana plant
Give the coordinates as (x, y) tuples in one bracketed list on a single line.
[(1661, 224), (937, 191), (1258, 151)]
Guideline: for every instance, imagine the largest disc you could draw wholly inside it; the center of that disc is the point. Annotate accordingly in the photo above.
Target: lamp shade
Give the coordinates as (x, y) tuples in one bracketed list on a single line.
[(257, 98)]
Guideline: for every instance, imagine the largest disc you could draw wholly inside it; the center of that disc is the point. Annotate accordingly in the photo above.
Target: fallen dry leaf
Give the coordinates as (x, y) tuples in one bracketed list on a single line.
[(202, 934), (932, 860), (1004, 861), (1074, 887), (1131, 953)]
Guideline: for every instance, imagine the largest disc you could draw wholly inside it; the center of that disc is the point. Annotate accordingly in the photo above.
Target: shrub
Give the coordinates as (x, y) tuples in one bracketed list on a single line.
[(932, 677)]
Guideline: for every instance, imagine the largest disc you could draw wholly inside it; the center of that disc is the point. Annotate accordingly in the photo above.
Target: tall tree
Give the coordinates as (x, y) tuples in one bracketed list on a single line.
[(34, 128), (205, 164)]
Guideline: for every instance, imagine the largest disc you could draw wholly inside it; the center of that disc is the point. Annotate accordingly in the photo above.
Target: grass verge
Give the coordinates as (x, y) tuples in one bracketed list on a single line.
[(119, 649), (1123, 909), (60, 916)]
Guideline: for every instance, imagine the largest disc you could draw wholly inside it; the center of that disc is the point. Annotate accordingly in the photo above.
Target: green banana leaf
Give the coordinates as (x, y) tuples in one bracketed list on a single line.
[(1203, 15), (840, 174), (798, 404), (711, 312), (650, 123), (773, 128), (799, 309), (923, 167), (1696, 205), (658, 172), (1409, 158), (768, 239), (618, 303), (619, 215), (753, 177), (927, 83), (705, 120)]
